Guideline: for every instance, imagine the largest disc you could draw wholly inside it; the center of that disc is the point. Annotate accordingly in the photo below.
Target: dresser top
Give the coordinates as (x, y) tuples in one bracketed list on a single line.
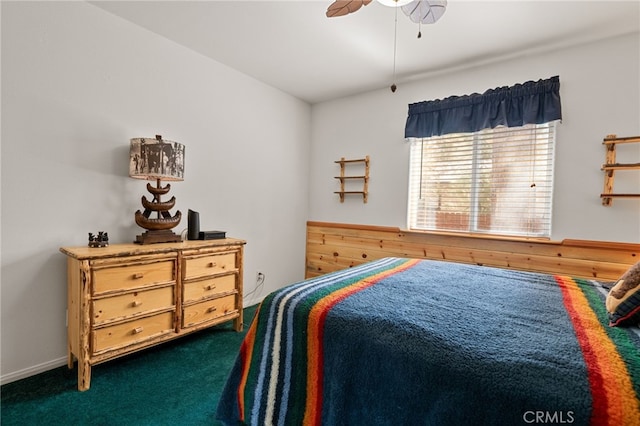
[(119, 250)]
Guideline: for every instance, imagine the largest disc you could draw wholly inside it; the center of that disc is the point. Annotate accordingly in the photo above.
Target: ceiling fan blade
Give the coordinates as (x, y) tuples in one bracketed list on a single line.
[(345, 7), (425, 11)]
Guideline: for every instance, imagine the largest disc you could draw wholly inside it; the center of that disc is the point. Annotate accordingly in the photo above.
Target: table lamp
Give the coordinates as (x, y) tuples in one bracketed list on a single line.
[(157, 159)]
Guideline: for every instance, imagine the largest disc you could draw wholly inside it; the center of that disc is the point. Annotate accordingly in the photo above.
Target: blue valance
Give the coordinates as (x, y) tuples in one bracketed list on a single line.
[(528, 103)]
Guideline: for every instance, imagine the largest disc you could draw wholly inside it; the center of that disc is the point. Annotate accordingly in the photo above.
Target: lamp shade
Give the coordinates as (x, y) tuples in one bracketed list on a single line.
[(156, 159)]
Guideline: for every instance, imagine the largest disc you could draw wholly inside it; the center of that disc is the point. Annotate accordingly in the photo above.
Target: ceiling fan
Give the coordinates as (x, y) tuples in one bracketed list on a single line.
[(419, 11)]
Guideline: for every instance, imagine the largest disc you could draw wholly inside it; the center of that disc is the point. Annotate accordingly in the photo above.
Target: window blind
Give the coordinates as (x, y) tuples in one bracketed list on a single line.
[(495, 181)]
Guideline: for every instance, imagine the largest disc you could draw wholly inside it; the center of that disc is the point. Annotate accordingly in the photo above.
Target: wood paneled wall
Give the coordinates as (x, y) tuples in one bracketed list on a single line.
[(334, 246)]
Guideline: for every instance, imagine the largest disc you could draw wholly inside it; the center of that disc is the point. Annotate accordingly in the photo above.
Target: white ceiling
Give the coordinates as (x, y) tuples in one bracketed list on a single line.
[(293, 46)]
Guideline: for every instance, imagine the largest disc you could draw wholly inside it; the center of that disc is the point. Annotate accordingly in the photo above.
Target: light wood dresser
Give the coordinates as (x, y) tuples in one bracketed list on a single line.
[(126, 297)]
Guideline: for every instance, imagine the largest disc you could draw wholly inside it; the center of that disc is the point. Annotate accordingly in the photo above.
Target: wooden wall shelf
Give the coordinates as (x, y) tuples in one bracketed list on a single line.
[(610, 166), (343, 178)]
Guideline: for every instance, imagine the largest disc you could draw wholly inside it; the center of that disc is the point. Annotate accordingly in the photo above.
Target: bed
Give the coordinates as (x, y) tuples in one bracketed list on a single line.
[(401, 341)]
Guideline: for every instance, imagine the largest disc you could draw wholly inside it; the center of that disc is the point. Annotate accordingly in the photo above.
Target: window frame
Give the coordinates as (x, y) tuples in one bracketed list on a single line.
[(472, 226)]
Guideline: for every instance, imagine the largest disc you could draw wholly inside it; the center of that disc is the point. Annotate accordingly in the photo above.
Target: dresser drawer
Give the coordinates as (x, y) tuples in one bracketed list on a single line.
[(130, 304), (208, 310), (202, 289), (201, 266), (132, 276), (127, 333)]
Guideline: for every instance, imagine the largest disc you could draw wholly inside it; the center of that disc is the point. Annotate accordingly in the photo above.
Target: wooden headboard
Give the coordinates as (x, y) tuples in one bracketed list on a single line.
[(334, 246)]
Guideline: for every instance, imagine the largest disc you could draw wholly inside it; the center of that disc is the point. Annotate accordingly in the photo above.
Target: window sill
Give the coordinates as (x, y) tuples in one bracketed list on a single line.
[(481, 236)]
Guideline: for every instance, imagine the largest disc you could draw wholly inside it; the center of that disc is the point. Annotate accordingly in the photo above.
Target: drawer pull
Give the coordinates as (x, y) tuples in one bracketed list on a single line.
[(137, 276), (136, 303), (212, 309), (137, 330), (212, 264), (210, 287)]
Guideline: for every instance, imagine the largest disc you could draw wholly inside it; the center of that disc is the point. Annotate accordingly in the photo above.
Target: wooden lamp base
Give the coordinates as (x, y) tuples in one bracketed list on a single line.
[(158, 229), (161, 236)]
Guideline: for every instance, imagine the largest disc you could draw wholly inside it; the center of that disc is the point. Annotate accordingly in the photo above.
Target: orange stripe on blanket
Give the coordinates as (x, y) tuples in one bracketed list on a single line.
[(246, 352), (315, 337), (614, 400)]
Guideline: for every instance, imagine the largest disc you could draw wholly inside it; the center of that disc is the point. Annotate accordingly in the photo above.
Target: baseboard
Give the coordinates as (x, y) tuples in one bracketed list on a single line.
[(253, 301), (32, 371), (50, 365)]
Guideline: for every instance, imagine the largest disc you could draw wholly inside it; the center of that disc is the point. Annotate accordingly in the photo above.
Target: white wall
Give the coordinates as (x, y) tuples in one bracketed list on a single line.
[(600, 91), (77, 84)]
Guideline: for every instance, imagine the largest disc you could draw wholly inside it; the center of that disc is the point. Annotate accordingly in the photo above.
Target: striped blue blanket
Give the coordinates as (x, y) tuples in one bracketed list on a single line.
[(406, 341)]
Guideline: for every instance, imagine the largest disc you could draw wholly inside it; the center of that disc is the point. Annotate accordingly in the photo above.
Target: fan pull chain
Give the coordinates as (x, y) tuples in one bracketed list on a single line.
[(395, 46)]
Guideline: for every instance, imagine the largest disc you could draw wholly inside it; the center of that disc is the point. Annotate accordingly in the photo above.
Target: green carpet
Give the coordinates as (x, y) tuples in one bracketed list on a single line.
[(177, 383)]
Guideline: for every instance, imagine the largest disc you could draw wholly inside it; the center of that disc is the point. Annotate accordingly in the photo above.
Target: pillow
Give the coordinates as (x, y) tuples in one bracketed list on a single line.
[(623, 300)]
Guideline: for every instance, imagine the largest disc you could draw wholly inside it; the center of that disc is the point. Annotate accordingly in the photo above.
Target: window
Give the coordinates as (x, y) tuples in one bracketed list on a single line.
[(493, 181)]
